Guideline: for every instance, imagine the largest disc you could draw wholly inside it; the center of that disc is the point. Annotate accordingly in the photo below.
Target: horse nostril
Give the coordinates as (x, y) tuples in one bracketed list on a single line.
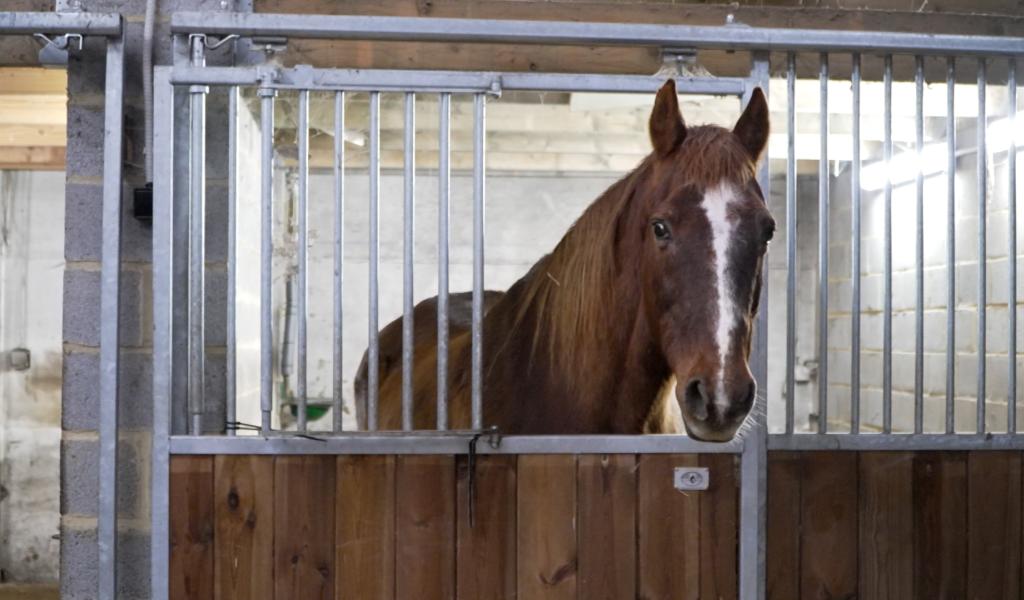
[(697, 399)]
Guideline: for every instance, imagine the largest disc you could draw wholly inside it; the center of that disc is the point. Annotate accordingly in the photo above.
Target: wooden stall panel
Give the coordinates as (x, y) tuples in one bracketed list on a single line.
[(546, 507), (668, 530), (783, 554), (886, 523), (828, 507), (486, 549), (244, 539), (365, 539), (993, 524), (304, 527), (940, 525), (191, 528), (719, 528), (606, 497), (425, 527)]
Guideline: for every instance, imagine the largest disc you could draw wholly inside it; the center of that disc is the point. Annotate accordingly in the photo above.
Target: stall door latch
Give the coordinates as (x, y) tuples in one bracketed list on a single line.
[(691, 479)]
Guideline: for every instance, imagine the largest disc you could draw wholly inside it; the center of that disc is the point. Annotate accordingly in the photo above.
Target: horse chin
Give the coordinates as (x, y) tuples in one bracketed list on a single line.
[(706, 434)]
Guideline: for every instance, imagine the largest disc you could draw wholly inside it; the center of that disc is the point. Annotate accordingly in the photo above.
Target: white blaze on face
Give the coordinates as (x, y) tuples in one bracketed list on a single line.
[(716, 204)]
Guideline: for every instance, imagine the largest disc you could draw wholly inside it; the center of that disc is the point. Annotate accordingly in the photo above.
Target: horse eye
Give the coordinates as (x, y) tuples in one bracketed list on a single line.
[(661, 231)]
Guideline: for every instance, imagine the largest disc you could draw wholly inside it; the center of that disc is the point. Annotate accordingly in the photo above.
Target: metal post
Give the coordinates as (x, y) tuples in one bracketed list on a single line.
[(855, 262), (409, 214), (479, 133), (790, 241), (303, 260), (110, 341), (443, 176), (266, 95), (982, 234), (230, 374), (197, 247), (1011, 258), (823, 214), (950, 244), (887, 301), (919, 253), (339, 257), (373, 359)]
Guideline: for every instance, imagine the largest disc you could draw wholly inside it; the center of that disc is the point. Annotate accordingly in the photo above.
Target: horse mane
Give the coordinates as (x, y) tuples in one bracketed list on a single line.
[(568, 291)]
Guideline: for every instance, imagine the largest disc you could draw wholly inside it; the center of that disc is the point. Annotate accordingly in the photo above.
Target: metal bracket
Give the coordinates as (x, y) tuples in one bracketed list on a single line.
[(681, 63), (691, 479), (269, 45), (20, 359), (54, 51)]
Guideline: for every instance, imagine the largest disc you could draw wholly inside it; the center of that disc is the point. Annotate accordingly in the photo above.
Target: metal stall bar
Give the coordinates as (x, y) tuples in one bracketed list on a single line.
[(30, 23), (339, 257), (230, 333), (303, 260), (950, 244), (790, 241), (919, 251), (1011, 254), (373, 356), (197, 246), (110, 334), (823, 213), (163, 319), (409, 215), (982, 234), (855, 259), (266, 257), (479, 133), (887, 308), (443, 208), (586, 34)]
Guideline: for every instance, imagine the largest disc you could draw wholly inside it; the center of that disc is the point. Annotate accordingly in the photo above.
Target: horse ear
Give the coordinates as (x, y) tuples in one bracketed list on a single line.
[(752, 128), (666, 125)]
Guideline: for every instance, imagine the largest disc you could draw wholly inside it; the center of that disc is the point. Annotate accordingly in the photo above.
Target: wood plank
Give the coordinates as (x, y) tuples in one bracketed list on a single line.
[(606, 496), (886, 525), (993, 524), (546, 507), (719, 528), (33, 109), (304, 527), (486, 551), (365, 514), (940, 525), (191, 527), (33, 158), (37, 80), (33, 135), (425, 527), (244, 540), (828, 507), (783, 555), (668, 523)]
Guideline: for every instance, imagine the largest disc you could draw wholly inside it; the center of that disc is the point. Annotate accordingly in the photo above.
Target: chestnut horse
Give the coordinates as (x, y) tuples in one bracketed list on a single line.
[(656, 283)]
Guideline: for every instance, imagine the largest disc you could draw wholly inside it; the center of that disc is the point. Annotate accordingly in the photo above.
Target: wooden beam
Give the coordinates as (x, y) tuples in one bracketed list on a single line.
[(33, 135), (33, 109), (32, 158), (33, 80)]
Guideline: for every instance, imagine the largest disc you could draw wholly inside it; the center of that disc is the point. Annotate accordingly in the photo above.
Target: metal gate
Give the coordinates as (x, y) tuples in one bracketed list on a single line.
[(180, 294)]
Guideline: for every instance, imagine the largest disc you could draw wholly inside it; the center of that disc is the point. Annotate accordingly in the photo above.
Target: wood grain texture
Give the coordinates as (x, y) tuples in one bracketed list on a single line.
[(993, 524), (365, 539), (886, 523), (486, 551), (940, 525), (304, 489), (244, 540), (828, 557), (191, 528), (783, 554), (668, 530), (606, 497), (719, 528), (425, 527), (546, 514)]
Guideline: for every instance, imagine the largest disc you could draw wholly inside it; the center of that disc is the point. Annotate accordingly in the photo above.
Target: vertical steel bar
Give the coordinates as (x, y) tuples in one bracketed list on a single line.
[(950, 243), (823, 216), (230, 370), (1011, 255), (179, 280), (373, 378), (791, 217), (443, 208), (919, 253), (982, 235), (887, 300), (266, 257), (409, 230), (163, 249), (302, 308), (855, 262), (479, 139), (339, 257), (110, 340), (197, 247)]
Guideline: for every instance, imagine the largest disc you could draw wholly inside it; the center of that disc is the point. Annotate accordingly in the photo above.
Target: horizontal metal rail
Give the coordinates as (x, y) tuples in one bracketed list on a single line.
[(726, 37), (308, 78), (29, 23), (451, 442), (896, 441)]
